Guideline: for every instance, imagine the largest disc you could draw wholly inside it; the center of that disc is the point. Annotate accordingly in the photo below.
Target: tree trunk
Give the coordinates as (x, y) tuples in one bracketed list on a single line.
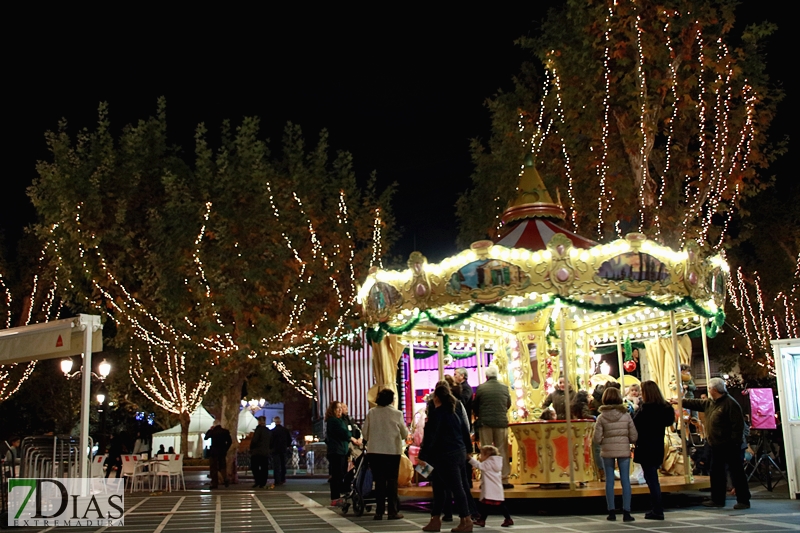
[(231, 403), (185, 418)]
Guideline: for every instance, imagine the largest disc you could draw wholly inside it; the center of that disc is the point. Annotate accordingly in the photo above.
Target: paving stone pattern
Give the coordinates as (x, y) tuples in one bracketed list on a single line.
[(296, 512)]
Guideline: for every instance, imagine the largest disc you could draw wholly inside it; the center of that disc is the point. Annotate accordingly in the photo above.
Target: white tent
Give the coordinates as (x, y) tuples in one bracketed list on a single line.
[(199, 422), (247, 423)]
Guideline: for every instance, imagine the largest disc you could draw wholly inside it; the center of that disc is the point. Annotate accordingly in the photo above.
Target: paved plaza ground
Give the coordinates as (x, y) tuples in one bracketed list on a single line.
[(300, 506)]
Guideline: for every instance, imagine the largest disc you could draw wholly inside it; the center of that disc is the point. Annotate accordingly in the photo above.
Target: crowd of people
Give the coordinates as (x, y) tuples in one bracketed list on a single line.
[(630, 426)]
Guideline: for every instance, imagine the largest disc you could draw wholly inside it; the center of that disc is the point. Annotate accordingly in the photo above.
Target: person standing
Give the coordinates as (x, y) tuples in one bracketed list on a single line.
[(220, 442), (492, 494), (491, 404), (349, 422), (465, 394), (558, 399), (281, 441), (615, 432), (653, 416), (260, 452), (338, 439), (444, 446), (724, 432), (385, 432)]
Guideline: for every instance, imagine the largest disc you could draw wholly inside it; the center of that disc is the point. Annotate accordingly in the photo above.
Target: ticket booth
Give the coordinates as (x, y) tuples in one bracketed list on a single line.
[(787, 368)]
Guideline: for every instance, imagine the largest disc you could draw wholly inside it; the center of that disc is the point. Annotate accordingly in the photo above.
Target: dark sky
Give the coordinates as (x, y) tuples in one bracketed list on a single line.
[(403, 91)]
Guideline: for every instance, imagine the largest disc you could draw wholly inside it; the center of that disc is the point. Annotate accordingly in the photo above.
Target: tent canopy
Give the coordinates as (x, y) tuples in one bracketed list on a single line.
[(57, 338), (199, 422)]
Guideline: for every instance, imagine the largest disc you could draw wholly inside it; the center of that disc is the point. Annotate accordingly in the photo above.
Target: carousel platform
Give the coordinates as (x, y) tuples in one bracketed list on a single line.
[(589, 489)]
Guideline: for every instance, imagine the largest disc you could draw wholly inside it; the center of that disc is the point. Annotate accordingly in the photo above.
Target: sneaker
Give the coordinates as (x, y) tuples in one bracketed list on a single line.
[(742, 505), (377, 517), (711, 503), (626, 517), (479, 522), (336, 503), (612, 517), (507, 522), (397, 516), (653, 516)]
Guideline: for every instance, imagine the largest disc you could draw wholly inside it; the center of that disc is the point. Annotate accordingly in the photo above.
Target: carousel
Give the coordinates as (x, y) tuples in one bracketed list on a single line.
[(542, 303)]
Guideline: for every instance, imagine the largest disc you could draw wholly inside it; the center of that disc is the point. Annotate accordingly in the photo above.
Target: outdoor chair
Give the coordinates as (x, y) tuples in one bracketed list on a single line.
[(97, 465), (129, 466), (171, 466)]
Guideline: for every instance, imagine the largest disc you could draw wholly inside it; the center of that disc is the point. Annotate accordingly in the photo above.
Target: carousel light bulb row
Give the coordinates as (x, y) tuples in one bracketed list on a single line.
[(9, 300), (377, 253)]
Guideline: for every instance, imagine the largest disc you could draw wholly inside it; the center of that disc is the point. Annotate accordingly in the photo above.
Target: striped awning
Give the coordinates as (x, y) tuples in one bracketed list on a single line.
[(535, 234)]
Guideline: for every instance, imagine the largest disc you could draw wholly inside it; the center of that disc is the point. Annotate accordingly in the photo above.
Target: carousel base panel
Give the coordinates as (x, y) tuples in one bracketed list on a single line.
[(590, 489)]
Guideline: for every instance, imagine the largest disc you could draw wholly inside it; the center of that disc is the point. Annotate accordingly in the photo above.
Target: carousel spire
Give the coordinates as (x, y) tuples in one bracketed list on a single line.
[(533, 200)]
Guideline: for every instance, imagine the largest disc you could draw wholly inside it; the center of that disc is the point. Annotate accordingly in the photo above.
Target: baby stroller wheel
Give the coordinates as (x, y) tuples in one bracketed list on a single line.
[(345, 508), (358, 504)]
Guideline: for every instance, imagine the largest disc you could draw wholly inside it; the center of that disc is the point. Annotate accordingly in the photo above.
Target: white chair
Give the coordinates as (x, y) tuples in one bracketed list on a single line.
[(161, 470), (97, 466), (141, 473), (175, 466), (129, 466)]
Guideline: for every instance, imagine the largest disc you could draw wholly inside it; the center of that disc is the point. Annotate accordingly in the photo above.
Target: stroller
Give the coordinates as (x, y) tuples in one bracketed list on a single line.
[(359, 480)]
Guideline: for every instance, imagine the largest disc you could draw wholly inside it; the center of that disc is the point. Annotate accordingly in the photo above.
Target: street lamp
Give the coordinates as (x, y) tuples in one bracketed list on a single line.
[(101, 398), (104, 368)]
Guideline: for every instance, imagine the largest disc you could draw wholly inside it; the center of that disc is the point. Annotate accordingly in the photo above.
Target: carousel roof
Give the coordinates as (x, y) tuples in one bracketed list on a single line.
[(536, 234), (532, 217)]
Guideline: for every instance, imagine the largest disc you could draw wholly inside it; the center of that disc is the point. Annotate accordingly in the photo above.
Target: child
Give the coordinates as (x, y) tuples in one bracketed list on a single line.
[(634, 397), (615, 432), (491, 467)]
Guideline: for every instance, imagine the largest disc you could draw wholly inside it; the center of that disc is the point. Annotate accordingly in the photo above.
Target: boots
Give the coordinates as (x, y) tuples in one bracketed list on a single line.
[(434, 525), (465, 526)]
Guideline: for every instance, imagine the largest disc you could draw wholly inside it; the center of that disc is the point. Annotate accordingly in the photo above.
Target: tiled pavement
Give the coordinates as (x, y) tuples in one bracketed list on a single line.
[(298, 510)]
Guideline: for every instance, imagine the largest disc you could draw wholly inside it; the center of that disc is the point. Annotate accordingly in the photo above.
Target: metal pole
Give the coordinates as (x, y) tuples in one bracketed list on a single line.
[(705, 349), (683, 429), (568, 404), (86, 393), (479, 352), (440, 336), (620, 360), (413, 405)]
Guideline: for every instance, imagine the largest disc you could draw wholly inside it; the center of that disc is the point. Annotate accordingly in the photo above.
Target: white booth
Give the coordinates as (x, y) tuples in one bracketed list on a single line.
[(787, 368)]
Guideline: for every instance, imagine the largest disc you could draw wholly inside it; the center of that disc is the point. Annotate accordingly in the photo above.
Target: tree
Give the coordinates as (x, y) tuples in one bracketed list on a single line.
[(238, 263), (649, 118), (41, 304)]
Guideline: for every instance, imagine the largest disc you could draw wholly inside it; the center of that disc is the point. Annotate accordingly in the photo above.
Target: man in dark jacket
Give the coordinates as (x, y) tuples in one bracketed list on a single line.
[(281, 440), (558, 400), (724, 431), (220, 442), (465, 394), (260, 451), (490, 405)]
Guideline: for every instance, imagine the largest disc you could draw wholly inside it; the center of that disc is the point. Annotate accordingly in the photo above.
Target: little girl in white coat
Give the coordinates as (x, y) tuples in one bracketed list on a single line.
[(492, 496)]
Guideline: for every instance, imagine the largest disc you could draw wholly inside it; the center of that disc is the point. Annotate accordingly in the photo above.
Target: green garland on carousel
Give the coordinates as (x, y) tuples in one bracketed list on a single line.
[(376, 334)]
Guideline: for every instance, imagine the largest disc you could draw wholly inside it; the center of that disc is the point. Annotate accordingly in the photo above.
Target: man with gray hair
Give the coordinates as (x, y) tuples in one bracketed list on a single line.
[(460, 376), (724, 431), (491, 404)]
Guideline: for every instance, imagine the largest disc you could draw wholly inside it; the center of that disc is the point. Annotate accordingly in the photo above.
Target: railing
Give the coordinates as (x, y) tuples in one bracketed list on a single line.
[(51, 456)]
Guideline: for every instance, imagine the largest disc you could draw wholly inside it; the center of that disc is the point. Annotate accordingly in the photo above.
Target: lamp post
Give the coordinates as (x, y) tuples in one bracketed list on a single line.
[(104, 369), (101, 401)]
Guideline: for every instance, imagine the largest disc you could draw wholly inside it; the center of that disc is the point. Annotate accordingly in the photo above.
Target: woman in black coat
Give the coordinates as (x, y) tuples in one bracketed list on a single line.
[(654, 415), (444, 446)]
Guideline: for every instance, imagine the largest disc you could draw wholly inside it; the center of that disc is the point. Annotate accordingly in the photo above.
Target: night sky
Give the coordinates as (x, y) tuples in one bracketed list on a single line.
[(403, 91)]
